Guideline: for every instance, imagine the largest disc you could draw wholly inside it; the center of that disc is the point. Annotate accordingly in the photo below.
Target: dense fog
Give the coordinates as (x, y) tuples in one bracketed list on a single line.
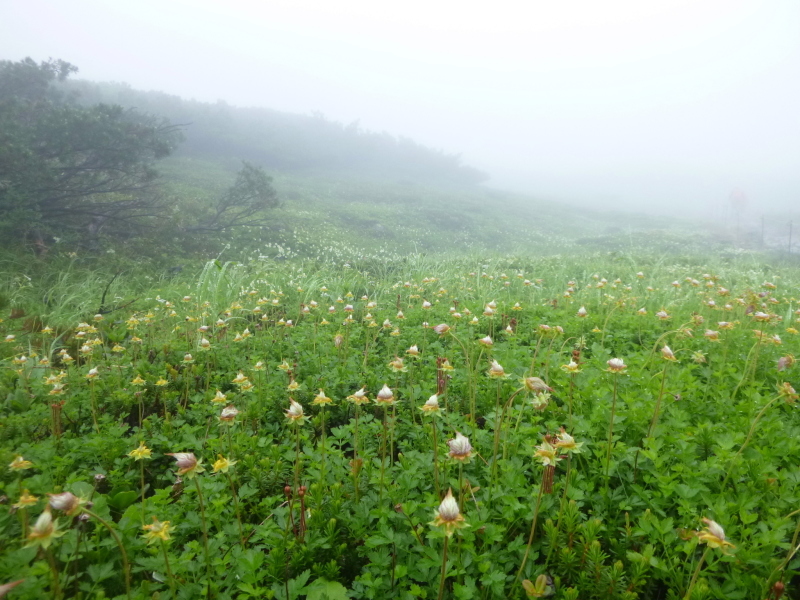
[(662, 107)]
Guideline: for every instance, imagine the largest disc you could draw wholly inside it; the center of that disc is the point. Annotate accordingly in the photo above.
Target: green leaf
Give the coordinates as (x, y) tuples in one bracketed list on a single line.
[(101, 572), (81, 489), (322, 589), (122, 500)]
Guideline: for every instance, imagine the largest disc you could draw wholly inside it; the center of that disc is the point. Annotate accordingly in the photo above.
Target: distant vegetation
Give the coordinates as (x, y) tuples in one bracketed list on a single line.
[(81, 163), (285, 141), (91, 169)]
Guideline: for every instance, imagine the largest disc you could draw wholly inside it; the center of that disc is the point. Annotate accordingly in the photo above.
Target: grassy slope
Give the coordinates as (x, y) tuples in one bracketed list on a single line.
[(372, 224), (338, 219)]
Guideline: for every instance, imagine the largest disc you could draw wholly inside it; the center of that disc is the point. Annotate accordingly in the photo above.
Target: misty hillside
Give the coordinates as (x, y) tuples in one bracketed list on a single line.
[(285, 141), (98, 167), (345, 190)]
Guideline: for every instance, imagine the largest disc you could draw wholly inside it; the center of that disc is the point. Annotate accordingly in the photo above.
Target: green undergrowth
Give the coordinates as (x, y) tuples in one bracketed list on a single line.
[(345, 499)]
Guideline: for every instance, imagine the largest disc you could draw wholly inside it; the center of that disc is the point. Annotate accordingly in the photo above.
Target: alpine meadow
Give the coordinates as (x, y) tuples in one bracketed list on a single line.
[(257, 353)]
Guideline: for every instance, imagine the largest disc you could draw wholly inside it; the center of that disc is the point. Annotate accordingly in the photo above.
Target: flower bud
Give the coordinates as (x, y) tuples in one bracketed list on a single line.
[(534, 384), (228, 414), (385, 396), (496, 370), (616, 365), (67, 502), (460, 448), (448, 509)]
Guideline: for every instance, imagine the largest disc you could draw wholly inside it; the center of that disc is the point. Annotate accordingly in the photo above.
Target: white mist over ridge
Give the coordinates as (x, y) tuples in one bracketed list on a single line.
[(661, 107)]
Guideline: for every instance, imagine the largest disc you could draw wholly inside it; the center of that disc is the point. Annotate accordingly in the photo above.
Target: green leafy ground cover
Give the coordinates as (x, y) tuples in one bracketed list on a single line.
[(346, 499)]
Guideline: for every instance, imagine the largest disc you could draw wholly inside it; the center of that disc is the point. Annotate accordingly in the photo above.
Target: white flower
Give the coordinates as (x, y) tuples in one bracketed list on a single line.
[(448, 509), (66, 502), (385, 396), (295, 412), (431, 405), (460, 448), (616, 365), (228, 414), (496, 370)]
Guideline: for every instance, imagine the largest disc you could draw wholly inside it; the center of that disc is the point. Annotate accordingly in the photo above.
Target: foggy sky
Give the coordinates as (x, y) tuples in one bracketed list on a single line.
[(658, 105)]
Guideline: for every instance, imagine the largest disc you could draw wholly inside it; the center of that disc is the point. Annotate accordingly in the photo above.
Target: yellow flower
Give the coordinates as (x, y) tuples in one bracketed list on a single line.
[(222, 464), (293, 385), (19, 463), (219, 398), (668, 354), (138, 380), (496, 371), (161, 382), (157, 531), (295, 412), (321, 398), (141, 452), (546, 453), (359, 397), (44, 531), (572, 367), (714, 535), (448, 515), (397, 365), (786, 390), (567, 443), (540, 400), (385, 396), (187, 464), (431, 405), (25, 500)]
